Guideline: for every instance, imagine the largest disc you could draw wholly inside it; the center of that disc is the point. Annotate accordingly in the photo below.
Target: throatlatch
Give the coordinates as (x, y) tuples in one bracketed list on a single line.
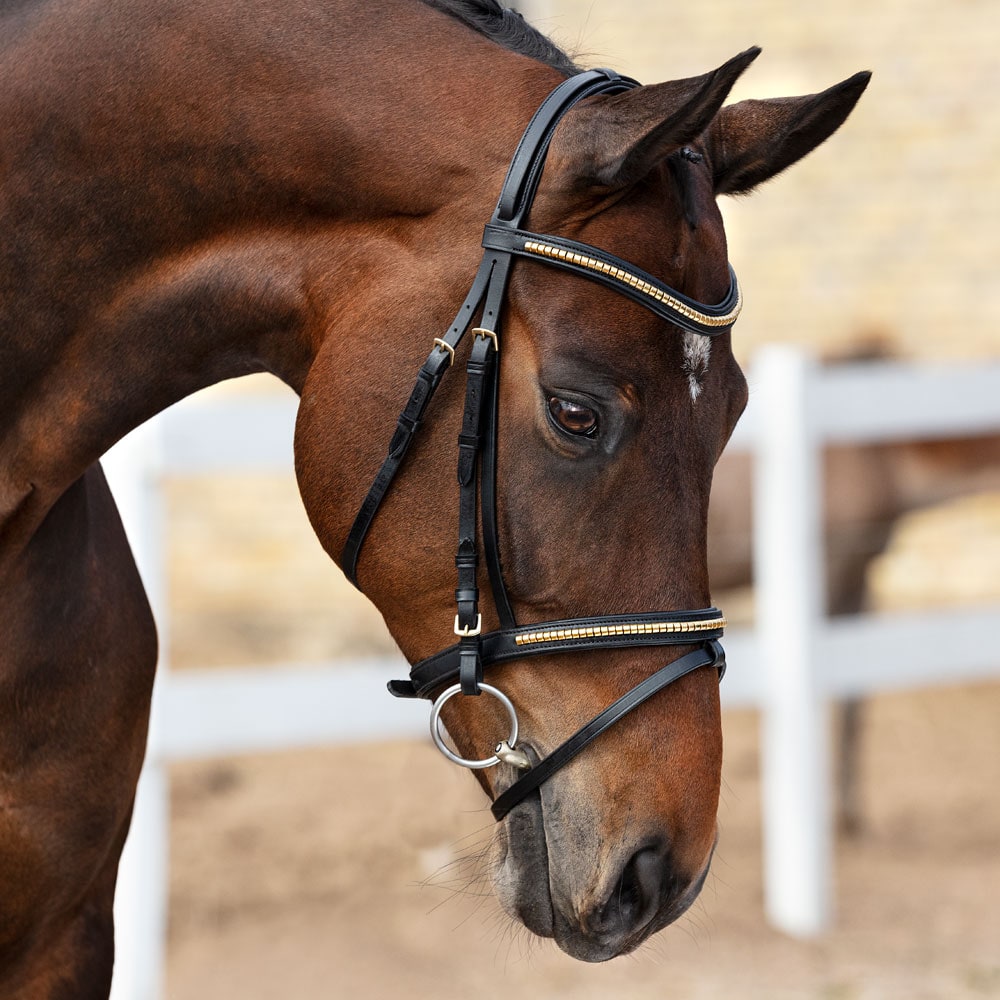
[(463, 664)]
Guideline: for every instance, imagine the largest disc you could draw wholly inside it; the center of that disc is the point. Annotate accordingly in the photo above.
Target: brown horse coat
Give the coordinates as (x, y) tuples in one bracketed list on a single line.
[(193, 191)]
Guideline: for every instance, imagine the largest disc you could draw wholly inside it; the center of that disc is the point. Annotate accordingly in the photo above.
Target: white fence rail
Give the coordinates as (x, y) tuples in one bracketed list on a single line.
[(791, 665)]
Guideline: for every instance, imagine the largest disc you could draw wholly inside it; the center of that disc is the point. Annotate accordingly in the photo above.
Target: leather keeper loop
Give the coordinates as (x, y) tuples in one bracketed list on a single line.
[(470, 667), (468, 450), (400, 441)]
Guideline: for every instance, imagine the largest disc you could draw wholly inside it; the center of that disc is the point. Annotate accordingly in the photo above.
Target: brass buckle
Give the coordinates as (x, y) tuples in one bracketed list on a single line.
[(447, 348), (480, 331), (467, 631)]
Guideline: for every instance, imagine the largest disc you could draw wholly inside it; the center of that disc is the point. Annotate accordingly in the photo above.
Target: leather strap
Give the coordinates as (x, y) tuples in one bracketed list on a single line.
[(479, 370), (572, 635), (710, 655), (525, 170), (428, 378), (488, 496), (492, 308)]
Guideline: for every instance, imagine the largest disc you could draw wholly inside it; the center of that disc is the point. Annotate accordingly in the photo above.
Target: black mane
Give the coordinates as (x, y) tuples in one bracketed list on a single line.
[(508, 28)]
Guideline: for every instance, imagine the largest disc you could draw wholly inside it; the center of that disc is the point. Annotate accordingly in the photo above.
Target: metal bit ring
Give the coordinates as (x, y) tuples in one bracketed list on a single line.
[(438, 736)]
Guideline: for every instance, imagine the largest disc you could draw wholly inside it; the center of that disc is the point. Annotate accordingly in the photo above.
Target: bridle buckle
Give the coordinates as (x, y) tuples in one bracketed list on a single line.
[(481, 331), (469, 630), (443, 345)]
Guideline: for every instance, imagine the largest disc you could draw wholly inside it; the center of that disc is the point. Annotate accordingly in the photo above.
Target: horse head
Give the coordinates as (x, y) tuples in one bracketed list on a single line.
[(610, 421)]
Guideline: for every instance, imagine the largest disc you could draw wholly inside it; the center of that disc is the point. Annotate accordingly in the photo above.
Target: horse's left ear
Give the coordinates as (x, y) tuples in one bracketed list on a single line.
[(751, 141)]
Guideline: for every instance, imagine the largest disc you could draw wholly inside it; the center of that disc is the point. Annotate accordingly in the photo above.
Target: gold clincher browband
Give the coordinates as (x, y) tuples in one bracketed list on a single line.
[(557, 634), (625, 279)]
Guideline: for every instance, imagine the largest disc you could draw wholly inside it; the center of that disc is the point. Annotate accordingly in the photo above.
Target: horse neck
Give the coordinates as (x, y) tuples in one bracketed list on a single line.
[(291, 188)]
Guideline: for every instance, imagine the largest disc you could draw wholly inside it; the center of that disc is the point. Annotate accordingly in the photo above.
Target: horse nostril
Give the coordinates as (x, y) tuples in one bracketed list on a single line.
[(636, 896)]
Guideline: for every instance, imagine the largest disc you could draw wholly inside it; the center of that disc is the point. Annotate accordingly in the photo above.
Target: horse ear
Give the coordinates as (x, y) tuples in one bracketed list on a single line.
[(616, 141), (752, 141)]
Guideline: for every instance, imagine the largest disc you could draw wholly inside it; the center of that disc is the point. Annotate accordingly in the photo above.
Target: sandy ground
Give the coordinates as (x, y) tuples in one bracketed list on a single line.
[(355, 872)]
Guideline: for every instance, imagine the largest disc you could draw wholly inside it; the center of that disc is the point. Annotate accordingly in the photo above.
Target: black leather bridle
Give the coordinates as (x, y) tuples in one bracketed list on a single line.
[(503, 240)]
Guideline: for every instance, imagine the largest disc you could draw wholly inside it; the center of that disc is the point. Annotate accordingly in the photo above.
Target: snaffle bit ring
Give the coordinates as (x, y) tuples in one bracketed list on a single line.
[(438, 736)]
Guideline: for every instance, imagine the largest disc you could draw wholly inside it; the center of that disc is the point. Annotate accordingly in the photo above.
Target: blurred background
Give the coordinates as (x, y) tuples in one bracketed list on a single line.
[(354, 871)]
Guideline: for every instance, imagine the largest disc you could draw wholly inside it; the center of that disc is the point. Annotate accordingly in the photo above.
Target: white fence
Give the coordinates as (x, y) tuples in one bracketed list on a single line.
[(791, 665)]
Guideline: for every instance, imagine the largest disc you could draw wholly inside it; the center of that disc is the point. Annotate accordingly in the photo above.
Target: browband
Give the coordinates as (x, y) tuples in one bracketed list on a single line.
[(626, 279)]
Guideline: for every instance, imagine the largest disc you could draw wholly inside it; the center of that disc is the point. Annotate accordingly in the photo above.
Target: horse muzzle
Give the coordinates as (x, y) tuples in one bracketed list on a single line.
[(557, 876)]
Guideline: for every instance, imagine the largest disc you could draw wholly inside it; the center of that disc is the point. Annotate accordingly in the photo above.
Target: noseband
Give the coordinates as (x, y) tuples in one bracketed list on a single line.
[(464, 662)]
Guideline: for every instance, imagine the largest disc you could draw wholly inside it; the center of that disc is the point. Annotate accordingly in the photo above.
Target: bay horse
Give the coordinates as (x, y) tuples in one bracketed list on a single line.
[(194, 191)]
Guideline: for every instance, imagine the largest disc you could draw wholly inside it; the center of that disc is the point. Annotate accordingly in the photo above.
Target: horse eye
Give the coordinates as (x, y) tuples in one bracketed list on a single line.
[(573, 418)]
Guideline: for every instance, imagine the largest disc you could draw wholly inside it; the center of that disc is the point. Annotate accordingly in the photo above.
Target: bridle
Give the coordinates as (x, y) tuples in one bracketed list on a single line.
[(463, 663)]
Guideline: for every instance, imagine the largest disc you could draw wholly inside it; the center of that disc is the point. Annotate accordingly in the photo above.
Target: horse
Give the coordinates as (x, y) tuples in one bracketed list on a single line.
[(195, 191)]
